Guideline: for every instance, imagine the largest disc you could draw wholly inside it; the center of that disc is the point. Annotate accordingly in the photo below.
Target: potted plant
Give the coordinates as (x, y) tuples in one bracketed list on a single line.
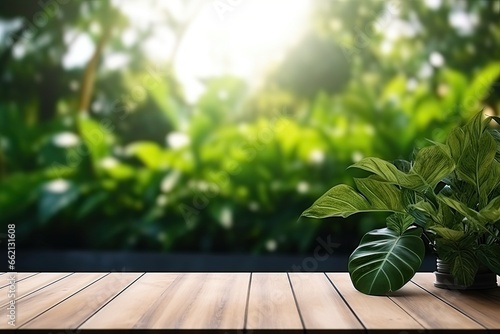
[(449, 196)]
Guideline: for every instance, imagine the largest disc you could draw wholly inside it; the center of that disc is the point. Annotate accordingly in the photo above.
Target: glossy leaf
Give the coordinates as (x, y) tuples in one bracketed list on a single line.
[(342, 200), (388, 172), (385, 260)]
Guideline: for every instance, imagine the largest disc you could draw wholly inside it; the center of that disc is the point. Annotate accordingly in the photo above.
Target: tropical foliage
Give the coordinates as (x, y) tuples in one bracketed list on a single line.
[(448, 195), (95, 156)]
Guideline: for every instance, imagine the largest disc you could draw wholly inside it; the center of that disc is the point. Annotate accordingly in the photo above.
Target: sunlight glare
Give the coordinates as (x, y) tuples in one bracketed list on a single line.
[(245, 42)]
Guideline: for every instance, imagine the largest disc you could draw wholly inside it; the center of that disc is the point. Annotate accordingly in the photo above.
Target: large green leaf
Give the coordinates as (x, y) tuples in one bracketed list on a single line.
[(390, 173), (477, 163), (460, 255), (380, 194), (433, 164), (385, 260), (489, 255), (342, 200)]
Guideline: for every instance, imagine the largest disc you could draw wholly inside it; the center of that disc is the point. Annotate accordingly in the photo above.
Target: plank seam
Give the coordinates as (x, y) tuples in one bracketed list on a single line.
[(296, 303), (449, 304), (247, 302), (110, 300), (409, 314), (43, 287), (19, 280), (26, 322), (345, 302)]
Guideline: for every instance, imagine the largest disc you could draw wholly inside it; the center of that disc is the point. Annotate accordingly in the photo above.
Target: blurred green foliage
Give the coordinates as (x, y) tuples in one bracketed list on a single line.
[(141, 168)]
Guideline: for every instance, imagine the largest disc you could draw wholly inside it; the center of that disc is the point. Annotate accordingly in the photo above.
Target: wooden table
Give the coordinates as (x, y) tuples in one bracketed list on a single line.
[(240, 301)]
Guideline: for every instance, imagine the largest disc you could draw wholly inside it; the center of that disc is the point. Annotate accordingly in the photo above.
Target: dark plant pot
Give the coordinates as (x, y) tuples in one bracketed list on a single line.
[(485, 278)]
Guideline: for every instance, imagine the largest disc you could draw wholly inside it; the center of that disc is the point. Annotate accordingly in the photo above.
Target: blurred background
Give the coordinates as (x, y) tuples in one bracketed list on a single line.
[(205, 128)]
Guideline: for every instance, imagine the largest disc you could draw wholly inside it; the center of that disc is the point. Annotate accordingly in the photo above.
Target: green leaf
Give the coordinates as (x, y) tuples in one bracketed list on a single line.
[(456, 142), (448, 233), (399, 222), (422, 212), (433, 164), (342, 200), (461, 257), (388, 172), (477, 163), (385, 261), (496, 135), (492, 210), (489, 255), (445, 217), (380, 194), (474, 217)]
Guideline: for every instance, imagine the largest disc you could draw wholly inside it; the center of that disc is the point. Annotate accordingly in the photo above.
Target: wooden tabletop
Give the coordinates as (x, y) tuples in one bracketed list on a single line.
[(240, 302)]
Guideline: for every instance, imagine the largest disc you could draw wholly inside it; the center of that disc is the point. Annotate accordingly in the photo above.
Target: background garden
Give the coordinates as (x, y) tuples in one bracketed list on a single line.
[(209, 126)]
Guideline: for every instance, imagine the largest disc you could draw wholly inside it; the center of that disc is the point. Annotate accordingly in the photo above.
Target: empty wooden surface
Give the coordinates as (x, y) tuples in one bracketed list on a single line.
[(241, 301)]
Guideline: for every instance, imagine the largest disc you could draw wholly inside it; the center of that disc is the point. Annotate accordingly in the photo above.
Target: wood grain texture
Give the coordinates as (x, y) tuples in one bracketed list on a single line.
[(31, 284), (482, 306), (4, 279), (374, 312), (237, 301), (271, 304), (178, 301), (73, 311), (430, 311), (127, 309), (43, 299), (320, 304)]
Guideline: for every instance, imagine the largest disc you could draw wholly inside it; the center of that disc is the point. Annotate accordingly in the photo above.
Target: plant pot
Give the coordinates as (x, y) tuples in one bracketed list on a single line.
[(485, 278)]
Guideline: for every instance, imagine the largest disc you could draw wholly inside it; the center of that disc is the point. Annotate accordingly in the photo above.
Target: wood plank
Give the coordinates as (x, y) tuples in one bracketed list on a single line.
[(190, 301), (271, 304), (127, 309), (482, 306), (374, 312), (31, 284), (320, 304), (73, 311), (430, 311), (19, 277), (43, 299)]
